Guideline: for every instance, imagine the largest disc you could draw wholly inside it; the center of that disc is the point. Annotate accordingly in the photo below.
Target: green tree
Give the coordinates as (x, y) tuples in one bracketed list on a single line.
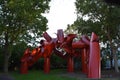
[(101, 18), (16, 54), (21, 20)]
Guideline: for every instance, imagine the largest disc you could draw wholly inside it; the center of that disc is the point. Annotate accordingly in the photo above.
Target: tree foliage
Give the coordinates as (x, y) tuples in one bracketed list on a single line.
[(21, 20), (101, 18)]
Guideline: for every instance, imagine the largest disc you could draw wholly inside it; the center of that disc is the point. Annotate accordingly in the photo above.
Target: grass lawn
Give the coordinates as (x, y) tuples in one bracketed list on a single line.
[(57, 74), (40, 75)]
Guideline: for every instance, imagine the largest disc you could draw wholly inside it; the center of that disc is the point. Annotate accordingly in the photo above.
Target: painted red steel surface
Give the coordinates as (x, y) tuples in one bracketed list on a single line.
[(94, 58), (70, 64), (66, 48), (24, 67), (84, 61), (47, 65), (60, 35)]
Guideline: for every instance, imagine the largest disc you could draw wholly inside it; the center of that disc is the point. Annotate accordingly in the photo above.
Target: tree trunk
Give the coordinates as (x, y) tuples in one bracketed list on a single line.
[(6, 62), (111, 60), (115, 61), (6, 54), (113, 50)]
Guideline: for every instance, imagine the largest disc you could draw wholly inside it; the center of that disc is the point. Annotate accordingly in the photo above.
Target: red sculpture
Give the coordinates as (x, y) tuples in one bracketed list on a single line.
[(87, 49)]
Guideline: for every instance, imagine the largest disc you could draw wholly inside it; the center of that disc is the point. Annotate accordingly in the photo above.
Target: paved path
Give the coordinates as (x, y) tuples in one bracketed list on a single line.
[(6, 77), (110, 74)]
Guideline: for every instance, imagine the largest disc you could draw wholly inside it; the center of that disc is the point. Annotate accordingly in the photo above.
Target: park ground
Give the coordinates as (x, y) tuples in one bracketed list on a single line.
[(62, 74)]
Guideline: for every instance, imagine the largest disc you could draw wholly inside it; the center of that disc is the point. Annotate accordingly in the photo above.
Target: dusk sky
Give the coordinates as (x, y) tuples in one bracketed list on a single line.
[(62, 13)]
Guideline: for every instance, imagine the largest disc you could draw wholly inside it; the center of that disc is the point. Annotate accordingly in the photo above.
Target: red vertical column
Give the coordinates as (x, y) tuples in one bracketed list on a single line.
[(70, 64), (94, 58), (46, 65), (84, 61), (24, 68)]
